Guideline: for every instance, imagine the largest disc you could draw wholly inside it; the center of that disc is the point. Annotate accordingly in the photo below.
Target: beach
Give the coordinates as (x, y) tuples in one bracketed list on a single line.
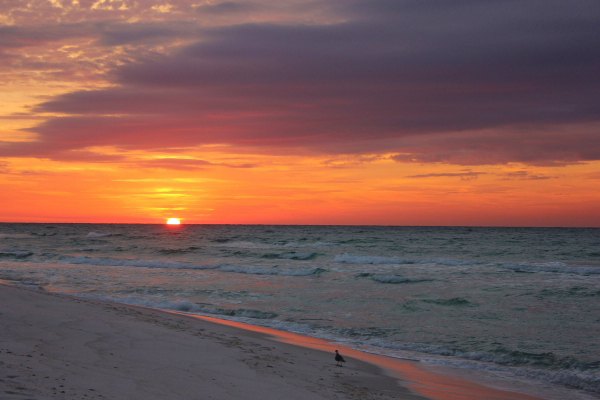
[(57, 346), (54, 346)]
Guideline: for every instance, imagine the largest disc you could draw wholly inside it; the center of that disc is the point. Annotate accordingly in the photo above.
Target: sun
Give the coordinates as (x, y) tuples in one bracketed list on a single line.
[(173, 221)]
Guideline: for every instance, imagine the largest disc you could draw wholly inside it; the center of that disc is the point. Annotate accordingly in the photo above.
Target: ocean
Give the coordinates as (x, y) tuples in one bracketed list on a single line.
[(522, 302)]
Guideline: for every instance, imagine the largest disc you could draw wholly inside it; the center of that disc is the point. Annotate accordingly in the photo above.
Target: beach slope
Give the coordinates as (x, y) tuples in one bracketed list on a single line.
[(56, 346)]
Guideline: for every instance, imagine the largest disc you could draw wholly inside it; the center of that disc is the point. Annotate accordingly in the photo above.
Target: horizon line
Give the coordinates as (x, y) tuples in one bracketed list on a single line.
[(332, 225)]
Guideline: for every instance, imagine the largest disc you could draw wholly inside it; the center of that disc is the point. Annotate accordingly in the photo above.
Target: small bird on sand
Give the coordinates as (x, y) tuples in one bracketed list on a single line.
[(339, 359)]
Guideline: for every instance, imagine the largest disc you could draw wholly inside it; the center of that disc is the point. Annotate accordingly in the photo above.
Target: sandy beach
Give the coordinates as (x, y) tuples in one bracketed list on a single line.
[(57, 346)]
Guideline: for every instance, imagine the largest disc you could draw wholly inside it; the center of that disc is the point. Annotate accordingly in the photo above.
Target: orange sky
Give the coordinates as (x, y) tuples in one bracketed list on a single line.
[(298, 113)]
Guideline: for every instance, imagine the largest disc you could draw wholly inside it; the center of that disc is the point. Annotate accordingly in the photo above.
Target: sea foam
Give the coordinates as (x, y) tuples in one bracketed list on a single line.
[(16, 253), (94, 235), (189, 307)]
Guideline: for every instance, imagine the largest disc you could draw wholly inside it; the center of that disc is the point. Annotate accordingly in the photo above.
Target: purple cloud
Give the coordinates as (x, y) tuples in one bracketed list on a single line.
[(458, 82), (229, 8), (529, 145)]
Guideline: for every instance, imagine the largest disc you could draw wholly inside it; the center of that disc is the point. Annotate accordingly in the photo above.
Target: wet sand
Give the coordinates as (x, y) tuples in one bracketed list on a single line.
[(54, 346)]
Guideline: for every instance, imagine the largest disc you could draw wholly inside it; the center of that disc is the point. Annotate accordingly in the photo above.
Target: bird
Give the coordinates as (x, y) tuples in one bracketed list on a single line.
[(339, 359)]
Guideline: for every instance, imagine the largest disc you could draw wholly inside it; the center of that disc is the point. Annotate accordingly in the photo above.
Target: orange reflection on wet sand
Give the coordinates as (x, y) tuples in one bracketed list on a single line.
[(425, 383)]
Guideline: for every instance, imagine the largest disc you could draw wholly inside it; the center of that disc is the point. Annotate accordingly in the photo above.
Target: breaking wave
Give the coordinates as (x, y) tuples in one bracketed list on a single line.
[(392, 278), (187, 306), (116, 262), (271, 271), (93, 235), (556, 267), (253, 245), (15, 253), (566, 371), (242, 244), (291, 256), (454, 302), (190, 249), (352, 259)]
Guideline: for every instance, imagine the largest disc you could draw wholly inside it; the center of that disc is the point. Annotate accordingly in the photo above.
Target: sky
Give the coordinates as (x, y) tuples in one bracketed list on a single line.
[(374, 112)]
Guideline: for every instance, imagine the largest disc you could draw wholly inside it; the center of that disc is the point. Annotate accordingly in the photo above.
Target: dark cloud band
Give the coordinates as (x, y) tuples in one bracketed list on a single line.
[(465, 82)]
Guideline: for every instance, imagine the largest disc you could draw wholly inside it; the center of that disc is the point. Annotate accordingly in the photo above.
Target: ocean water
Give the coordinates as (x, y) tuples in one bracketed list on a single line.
[(523, 302)]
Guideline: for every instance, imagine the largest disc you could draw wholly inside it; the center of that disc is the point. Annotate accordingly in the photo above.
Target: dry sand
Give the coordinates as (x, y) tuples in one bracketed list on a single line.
[(54, 346)]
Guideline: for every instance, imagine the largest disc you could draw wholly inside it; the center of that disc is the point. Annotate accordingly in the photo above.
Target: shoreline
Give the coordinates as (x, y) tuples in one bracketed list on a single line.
[(59, 346), (423, 382), (52, 333)]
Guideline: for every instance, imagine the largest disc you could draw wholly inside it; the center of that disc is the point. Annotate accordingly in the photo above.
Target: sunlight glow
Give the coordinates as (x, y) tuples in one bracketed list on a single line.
[(173, 221)]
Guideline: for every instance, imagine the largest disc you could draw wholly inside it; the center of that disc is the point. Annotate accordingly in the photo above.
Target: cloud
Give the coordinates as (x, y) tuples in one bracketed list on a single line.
[(434, 81), (228, 8), (56, 151), (350, 162), (104, 33), (118, 34), (175, 164), (526, 175), (186, 164), (548, 146), (464, 176), (6, 170), (20, 36)]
